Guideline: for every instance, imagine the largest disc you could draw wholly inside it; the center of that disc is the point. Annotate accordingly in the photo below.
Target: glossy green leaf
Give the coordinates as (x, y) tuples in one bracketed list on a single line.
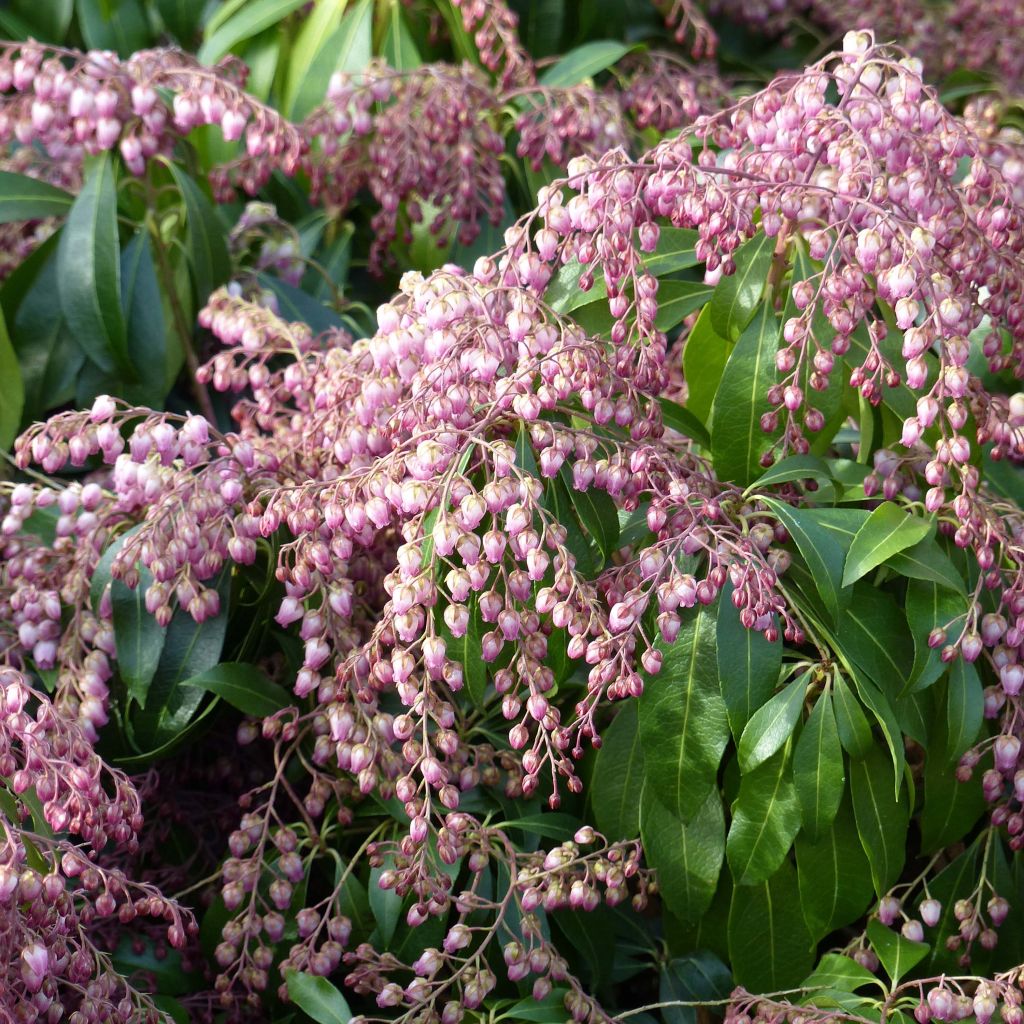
[(705, 354), (205, 238), (182, 18), (821, 552), (888, 530), (698, 977), (349, 48), (687, 857), (796, 467), (466, 650), (771, 725), (965, 708), (89, 271), (248, 21), (138, 637), (678, 299), (770, 948), (683, 723), (243, 686), (951, 807), (618, 776), (834, 875), (49, 21), (386, 905), (123, 26), (927, 561), (872, 634), (317, 997), (295, 304), (737, 440), (596, 512), (550, 824), (851, 722), (818, 771), (311, 39), (737, 296), (839, 972), (929, 606), (882, 817), (897, 954), (676, 250), (12, 390), (748, 665), (584, 62), (25, 198), (884, 713), (765, 820), (681, 420), (144, 321), (399, 47)]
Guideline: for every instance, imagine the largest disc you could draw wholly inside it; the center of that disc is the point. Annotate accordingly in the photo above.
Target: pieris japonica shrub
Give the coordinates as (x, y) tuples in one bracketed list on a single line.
[(629, 621)]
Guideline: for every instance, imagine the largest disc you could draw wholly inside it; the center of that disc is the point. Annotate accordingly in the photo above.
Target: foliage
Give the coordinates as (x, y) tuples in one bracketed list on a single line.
[(626, 617)]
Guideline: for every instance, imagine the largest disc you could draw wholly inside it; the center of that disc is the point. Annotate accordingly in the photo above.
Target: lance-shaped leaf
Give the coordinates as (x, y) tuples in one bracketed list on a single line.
[(205, 240), (243, 686), (765, 820), (687, 857), (737, 440), (683, 723), (736, 296), (888, 530), (25, 198), (317, 998), (12, 389), (772, 725), (618, 776), (852, 723), (882, 817), (896, 953), (818, 769)]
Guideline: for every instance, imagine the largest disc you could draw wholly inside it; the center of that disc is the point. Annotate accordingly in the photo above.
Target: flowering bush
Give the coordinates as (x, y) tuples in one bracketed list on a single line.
[(629, 620)]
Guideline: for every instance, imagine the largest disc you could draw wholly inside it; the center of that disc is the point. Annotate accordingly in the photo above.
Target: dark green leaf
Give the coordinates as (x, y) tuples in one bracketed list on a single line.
[(683, 723), (243, 686), (49, 21), (317, 997), (882, 818), (852, 723), (965, 708), (834, 875), (888, 530), (12, 390), (927, 561), (386, 905), (584, 62), (687, 857), (678, 299), (769, 945), (248, 21), (618, 776), (748, 665), (840, 972), (682, 421), (704, 357), (772, 724), (182, 18), (797, 467), (113, 26), (737, 296), (897, 954), (951, 807), (818, 769), (698, 977), (399, 47), (597, 515), (765, 820), (25, 198), (89, 271), (872, 634), (551, 825), (144, 317), (205, 237), (820, 551), (930, 606), (466, 650), (138, 637), (295, 304), (737, 440)]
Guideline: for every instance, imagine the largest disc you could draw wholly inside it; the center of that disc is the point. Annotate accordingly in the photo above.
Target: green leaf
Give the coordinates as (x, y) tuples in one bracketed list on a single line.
[(851, 722), (698, 977), (965, 709), (834, 875), (737, 296), (837, 971), (399, 47), (823, 555), (682, 421), (294, 304), (705, 354), (796, 467), (951, 807), (769, 946), (349, 48), (386, 905), (466, 650), (683, 724), (25, 198), (49, 21), (676, 250), (882, 818), (748, 665), (872, 634), (182, 19), (772, 724), (550, 824), (678, 299), (310, 40), (317, 997), (618, 776), (896, 953), (248, 21), (597, 515), (888, 530), (89, 271), (113, 26), (12, 390), (930, 606), (205, 238), (138, 637), (584, 62), (244, 687), (818, 769), (927, 561), (765, 820), (687, 857), (737, 440), (144, 320)]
